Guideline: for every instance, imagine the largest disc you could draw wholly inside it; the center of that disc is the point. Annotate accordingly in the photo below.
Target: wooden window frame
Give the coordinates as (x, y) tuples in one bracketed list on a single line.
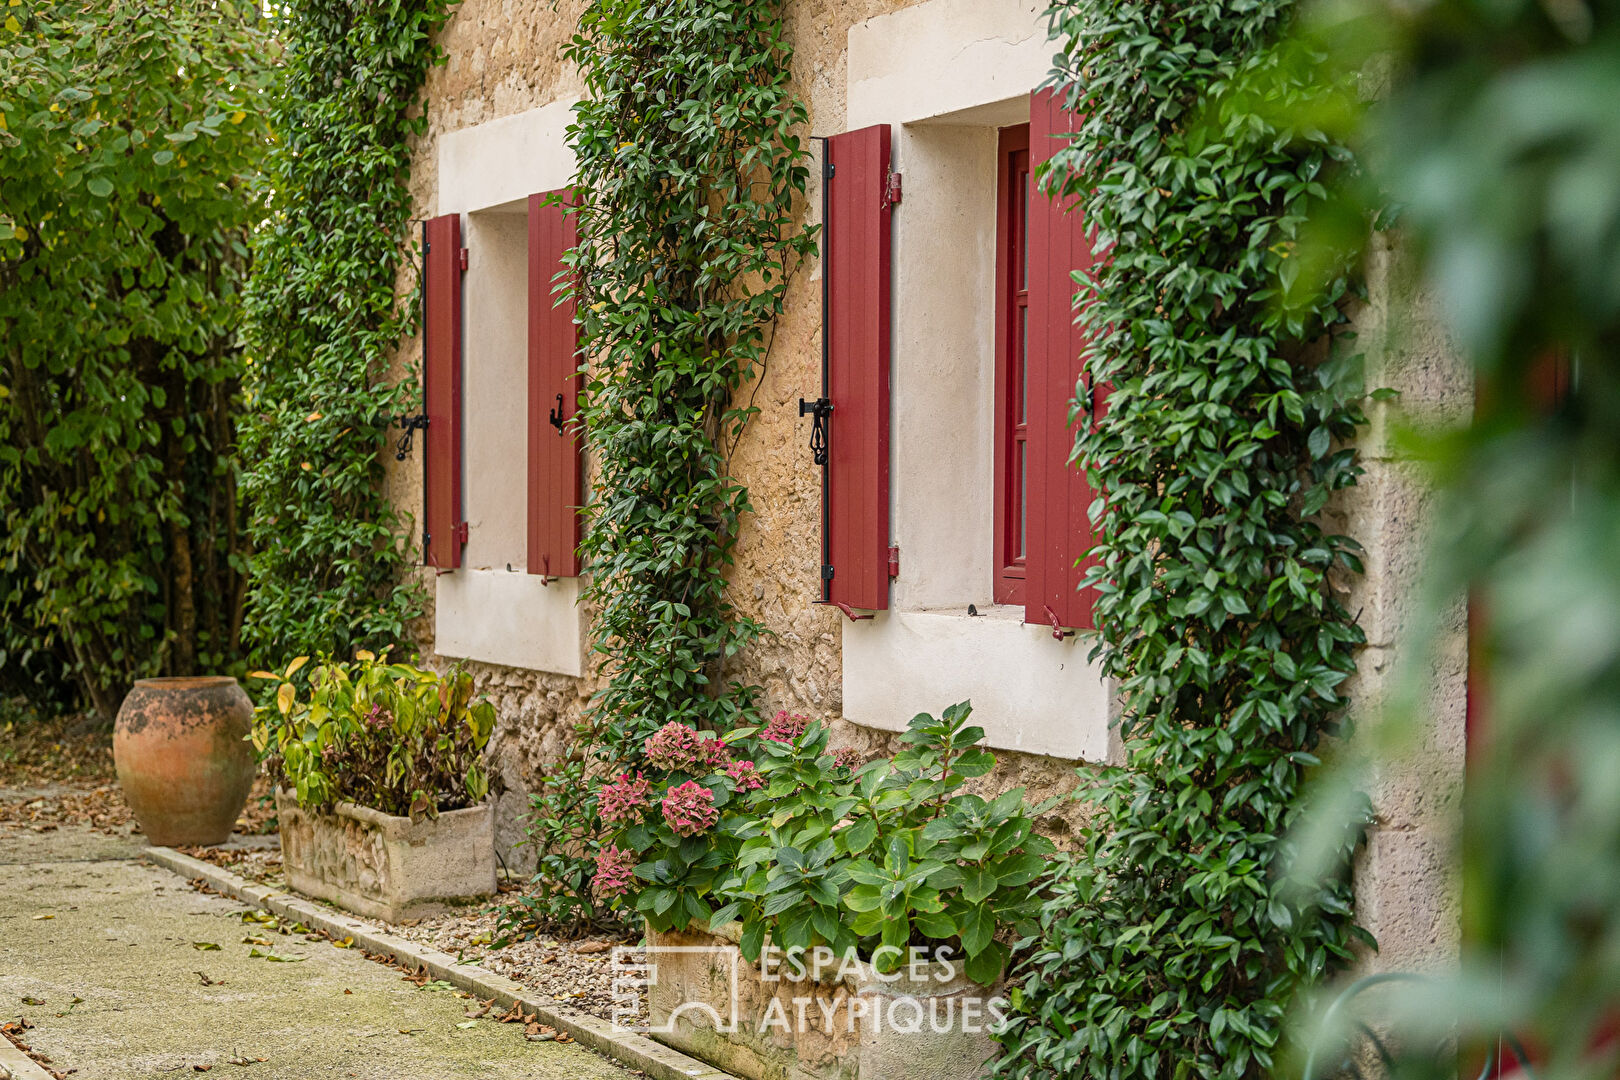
[(1013, 194)]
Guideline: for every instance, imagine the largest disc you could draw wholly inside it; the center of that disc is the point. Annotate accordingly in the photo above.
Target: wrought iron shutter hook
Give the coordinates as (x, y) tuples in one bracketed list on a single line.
[(820, 409)]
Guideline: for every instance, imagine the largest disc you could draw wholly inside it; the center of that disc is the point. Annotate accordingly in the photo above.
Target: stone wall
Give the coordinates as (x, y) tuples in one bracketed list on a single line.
[(1406, 893), (504, 59)]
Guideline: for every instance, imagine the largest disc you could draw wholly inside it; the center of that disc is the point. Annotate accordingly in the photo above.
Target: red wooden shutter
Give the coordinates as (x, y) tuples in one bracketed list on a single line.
[(856, 265), (444, 526), (554, 385), (1058, 528)]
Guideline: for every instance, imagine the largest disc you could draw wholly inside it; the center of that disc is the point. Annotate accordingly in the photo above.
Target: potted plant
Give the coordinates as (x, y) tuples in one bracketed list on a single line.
[(874, 899), (381, 785)]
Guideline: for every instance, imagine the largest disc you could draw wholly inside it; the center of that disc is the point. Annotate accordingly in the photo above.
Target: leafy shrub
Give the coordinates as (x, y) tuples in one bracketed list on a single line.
[(561, 827), (392, 737), (811, 848), (131, 142)]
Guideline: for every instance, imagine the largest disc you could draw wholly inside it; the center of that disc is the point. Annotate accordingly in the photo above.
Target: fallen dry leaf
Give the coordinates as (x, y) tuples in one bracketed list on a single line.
[(205, 946)]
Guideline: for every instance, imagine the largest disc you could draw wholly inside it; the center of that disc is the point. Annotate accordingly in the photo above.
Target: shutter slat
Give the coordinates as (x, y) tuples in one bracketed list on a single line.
[(441, 391), (1059, 530), (857, 262), (554, 455)]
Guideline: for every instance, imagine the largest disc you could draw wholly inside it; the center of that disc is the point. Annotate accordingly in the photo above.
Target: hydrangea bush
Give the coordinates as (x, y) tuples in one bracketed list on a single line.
[(809, 846)]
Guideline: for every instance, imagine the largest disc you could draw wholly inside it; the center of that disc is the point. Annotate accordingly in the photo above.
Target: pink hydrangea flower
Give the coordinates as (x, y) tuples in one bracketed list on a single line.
[(785, 727), (679, 748), (744, 777), (847, 757), (690, 809), (625, 800), (716, 754), (615, 871)]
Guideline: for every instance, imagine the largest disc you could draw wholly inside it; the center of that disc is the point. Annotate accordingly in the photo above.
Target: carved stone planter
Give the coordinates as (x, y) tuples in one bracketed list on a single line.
[(849, 1023), (385, 867)]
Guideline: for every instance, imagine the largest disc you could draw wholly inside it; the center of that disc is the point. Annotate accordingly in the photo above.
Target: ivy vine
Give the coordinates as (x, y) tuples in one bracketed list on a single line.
[(690, 171), (1174, 940), (689, 164), (331, 553)]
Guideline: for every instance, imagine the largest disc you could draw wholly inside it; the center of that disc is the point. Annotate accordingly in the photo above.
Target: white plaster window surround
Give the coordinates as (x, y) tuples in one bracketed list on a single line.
[(492, 609), (947, 75)]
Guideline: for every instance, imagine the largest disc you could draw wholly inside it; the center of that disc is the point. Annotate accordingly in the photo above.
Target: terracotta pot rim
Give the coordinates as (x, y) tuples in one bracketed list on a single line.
[(186, 682)]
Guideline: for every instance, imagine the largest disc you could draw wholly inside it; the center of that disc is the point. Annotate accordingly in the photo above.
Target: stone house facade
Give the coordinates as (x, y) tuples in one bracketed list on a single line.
[(953, 82)]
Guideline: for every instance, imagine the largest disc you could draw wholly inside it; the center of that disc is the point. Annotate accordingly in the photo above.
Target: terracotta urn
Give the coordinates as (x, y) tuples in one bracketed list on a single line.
[(182, 758)]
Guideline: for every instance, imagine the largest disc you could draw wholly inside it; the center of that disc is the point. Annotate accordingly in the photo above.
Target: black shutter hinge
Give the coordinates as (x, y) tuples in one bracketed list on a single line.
[(828, 169), (820, 409), (891, 191), (826, 572)]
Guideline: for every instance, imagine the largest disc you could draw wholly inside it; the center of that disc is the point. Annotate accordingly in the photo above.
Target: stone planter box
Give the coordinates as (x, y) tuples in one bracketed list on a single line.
[(848, 1024), (386, 867)]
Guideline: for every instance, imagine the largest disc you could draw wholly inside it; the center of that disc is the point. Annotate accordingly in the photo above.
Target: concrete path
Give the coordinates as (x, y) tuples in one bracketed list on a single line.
[(108, 944)]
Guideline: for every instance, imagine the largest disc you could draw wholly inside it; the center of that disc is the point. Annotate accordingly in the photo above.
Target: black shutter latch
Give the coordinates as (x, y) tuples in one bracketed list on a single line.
[(820, 409)]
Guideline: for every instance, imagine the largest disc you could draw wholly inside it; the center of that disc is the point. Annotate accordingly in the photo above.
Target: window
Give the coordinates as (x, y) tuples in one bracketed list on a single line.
[(1012, 354)]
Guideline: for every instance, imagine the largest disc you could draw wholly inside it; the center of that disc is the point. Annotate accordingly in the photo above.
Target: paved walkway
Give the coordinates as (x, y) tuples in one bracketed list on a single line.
[(108, 944)]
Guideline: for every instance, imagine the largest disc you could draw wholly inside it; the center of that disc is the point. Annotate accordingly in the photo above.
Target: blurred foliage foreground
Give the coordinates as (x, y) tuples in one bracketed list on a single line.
[(1497, 138), (130, 148)]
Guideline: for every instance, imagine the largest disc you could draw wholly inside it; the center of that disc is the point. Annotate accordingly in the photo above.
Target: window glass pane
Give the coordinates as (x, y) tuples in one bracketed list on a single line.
[(1023, 495), (1023, 233), (1021, 384)]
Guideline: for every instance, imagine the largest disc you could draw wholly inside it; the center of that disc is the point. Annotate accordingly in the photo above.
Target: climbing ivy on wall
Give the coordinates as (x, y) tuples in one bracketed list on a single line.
[(690, 163), (690, 171), (1174, 940), (330, 550)]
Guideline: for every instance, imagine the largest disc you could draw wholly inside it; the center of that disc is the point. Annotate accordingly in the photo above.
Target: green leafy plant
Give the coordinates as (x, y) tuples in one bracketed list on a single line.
[(889, 854), (810, 848), (1174, 940), (132, 140), (391, 737), (690, 162), (1494, 132), (331, 552)]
